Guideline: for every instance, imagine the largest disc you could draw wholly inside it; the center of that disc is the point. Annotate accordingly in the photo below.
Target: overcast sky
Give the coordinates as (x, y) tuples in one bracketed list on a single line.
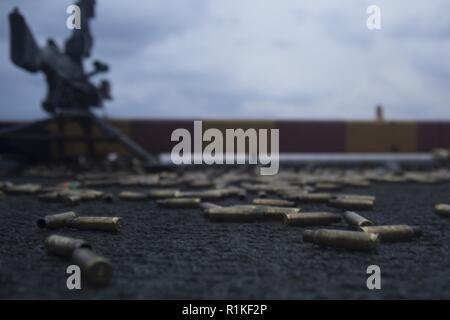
[(251, 58)]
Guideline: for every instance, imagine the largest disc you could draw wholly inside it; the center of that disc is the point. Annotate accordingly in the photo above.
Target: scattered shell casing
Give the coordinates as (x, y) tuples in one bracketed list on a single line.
[(71, 200), (133, 196), (55, 221), (342, 239), (86, 194), (244, 213), (355, 196), (322, 186), (275, 213), (208, 205), (302, 219), (64, 246), (52, 196), (355, 220), (111, 224), (162, 193), (181, 203), (443, 210), (392, 233), (313, 197), (273, 202), (96, 269), (351, 203), (25, 188)]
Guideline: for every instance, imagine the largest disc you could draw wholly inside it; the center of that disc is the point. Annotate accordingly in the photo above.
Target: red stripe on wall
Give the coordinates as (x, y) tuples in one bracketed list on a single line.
[(431, 135), (154, 135), (312, 136)]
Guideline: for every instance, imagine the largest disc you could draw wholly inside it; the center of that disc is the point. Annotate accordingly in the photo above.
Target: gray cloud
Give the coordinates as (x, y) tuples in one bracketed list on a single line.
[(252, 59)]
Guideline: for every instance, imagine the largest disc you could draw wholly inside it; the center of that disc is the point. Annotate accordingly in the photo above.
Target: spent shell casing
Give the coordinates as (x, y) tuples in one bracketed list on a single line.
[(71, 200), (25, 188), (52, 196), (87, 194), (96, 269), (273, 202), (351, 203), (241, 213), (162, 193), (302, 219), (111, 224), (208, 205), (342, 239), (355, 196), (274, 213), (443, 210), (180, 203), (392, 233), (313, 197), (355, 220), (64, 246), (133, 196), (55, 221), (5, 185), (322, 186)]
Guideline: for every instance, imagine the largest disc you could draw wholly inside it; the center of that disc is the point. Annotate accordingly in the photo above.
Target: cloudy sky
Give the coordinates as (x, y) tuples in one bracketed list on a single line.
[(287, 59)]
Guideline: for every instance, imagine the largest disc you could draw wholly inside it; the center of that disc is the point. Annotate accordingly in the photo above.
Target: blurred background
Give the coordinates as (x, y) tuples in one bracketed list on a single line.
[(252, 59)]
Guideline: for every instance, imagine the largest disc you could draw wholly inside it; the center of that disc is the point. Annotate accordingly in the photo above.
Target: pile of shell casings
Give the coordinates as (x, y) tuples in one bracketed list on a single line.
[(95, 268), (282, 197)]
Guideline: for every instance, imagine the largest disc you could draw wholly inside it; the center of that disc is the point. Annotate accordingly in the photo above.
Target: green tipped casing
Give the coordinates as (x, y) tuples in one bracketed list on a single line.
[(55, 221), (393, 233), (111, 224), (64, 246), (342, 239), (96, 269), (303, 219)]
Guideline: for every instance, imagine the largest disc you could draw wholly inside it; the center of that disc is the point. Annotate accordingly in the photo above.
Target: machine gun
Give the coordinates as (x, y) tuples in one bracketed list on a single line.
[(71, 94)]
